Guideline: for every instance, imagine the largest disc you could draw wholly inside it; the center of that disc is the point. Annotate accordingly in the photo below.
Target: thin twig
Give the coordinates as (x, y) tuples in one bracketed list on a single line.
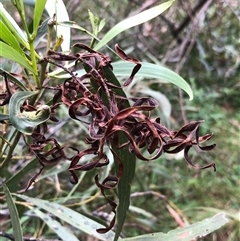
[(156, 194)]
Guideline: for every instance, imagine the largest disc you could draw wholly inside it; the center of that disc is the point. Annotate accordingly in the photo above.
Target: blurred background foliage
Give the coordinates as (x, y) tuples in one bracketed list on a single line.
[(200, 40)]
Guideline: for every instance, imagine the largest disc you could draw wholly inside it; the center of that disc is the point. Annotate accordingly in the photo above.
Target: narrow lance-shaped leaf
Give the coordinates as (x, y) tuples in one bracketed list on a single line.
[(133, 21), (13, 27), (9, 38), (149, 70), (63, 232), (17, 230), (71, 217), (8, 52), (128, 161), (191, 232), (38, 11), (97, 26)]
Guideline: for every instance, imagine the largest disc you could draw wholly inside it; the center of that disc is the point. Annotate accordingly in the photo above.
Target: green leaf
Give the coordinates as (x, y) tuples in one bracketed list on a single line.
[(94, 22), (20, 6), (101, 25), (8, 52), (17, 230), (133, 21), (26, 121), (63, 232), (71, 217), (149, 70), (38, 11), (124, 186), (9, 38), (191, 232), (13, 27), (128, 161)]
